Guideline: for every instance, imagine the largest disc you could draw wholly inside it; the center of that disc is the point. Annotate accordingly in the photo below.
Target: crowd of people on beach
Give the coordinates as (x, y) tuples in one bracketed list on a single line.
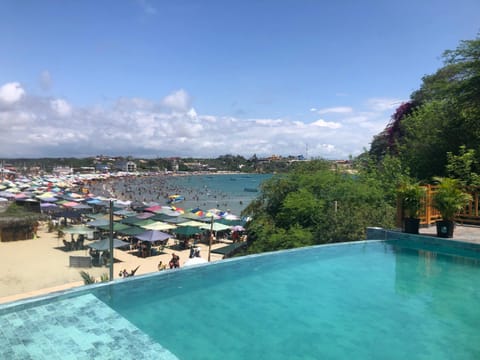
[(157, 190)]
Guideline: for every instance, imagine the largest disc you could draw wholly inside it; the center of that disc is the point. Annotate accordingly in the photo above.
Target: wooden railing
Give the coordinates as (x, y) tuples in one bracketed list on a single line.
[(429, 215)]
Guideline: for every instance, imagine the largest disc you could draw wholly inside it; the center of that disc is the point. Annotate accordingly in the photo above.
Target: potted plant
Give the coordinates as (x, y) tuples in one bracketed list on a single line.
[(411, 195), (449, 199)]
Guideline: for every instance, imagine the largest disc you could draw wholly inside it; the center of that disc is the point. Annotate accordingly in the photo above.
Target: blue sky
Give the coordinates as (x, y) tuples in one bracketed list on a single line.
[(206, 78)]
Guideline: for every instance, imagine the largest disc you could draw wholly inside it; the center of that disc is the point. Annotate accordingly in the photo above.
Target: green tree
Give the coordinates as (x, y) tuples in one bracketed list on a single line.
[(463, 167), (314, 204), (428, 139), (441, 116)]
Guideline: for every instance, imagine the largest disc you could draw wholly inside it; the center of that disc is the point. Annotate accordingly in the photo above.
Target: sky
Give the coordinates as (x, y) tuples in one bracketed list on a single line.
[(192, 78)]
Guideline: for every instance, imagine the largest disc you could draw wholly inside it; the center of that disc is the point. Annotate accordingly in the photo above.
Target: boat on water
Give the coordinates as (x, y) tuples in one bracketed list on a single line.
[(250, 189), (175, 199)]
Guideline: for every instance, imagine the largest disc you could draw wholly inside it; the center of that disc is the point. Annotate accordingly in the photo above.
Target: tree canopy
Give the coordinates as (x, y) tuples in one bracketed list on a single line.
[(313, 204), (442, 117)]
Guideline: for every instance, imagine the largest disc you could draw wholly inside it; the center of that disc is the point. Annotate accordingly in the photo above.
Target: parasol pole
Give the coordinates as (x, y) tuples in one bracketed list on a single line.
[(111, 239), (210, 241)]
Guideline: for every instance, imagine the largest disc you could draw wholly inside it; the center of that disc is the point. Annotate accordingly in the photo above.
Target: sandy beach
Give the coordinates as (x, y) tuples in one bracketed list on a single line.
[(38, 266)]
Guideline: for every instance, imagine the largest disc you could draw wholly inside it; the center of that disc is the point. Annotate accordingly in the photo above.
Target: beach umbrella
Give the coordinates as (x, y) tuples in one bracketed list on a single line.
[(104, 244), (94, 201), (136, 205), (69, 204), (122, 203), (178, 210), (192, 223), (6, 194), (153, 208), (215, 227), (238, 228), (144, 222), (131, 220), (153, 235), (116, 227), (78, 230), (82, 208), (125, 212), (98, 222), (47, 195), (21, 196), (131, 231), (51, 199), (145, 215), (47, 205), (188, 230), (158, 225), (175, 220), (170, 212), (190, 216)]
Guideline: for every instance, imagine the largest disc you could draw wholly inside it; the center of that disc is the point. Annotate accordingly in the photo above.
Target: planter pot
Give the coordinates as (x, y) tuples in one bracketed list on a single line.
[(411, 225), (445, 228)]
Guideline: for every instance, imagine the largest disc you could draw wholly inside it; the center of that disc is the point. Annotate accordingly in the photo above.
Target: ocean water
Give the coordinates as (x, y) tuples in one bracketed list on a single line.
[(222, 191), (225, 192)]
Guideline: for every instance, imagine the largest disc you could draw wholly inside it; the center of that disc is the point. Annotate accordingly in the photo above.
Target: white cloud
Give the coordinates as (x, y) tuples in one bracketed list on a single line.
[(383, 104), (192, 113), (11, 93), (61, 107), (327, 124), (178, 101), (267, 122), (335, 110), (41, 126)]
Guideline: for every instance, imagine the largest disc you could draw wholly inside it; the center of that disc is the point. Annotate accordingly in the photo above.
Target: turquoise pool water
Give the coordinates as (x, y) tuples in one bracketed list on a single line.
[(365, 300)]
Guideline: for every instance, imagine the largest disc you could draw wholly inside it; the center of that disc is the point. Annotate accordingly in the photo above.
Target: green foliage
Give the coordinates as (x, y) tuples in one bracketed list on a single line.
[(316, 205), (387, 175), (463, 167), (428, 137), (411, 195), (104, 277), (443, 117), (449, 198), (87, 278)]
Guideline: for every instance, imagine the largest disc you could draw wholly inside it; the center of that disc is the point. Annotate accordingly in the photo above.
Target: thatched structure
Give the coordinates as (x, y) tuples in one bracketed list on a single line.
[(17, 224)]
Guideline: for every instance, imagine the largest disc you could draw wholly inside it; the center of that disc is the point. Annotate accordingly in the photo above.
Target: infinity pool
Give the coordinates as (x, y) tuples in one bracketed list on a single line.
[(363, 300)]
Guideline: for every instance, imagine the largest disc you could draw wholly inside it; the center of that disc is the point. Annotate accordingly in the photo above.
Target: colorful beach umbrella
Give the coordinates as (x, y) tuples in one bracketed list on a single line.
[(159, 225)]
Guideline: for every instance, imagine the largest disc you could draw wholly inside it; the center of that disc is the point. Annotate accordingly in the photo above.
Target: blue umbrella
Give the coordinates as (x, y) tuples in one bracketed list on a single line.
[(104, 244)]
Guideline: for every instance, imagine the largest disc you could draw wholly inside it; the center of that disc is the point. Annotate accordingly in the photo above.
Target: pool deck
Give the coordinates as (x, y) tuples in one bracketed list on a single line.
[(466, 233)]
